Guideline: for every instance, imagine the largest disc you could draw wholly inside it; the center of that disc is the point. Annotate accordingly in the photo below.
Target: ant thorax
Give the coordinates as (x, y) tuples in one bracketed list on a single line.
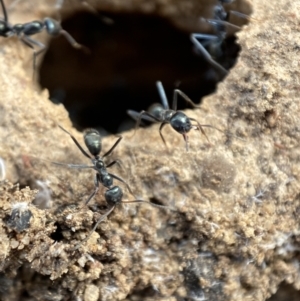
[(17, 29), (105, 178), (168, 114), (30, 28)]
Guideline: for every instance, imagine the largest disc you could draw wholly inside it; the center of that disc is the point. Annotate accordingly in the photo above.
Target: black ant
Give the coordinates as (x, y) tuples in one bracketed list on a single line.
[(26, 30), (162, 113), (114, 194), (92, 140), (211, 44)]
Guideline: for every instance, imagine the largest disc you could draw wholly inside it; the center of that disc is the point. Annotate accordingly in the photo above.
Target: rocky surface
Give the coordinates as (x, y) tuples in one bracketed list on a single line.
[(235, 235)]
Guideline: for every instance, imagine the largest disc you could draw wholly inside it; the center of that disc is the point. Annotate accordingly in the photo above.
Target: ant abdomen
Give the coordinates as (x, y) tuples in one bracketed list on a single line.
[(92, 140), (156, 110)]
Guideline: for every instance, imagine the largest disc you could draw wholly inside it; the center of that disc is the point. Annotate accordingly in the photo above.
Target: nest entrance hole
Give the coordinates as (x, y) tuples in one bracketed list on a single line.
[(126, 59)]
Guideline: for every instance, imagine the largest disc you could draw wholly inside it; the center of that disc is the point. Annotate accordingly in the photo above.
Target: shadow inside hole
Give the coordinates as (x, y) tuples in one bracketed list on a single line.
[(57, 236), (127, 58), (147, 292), (286, 292)]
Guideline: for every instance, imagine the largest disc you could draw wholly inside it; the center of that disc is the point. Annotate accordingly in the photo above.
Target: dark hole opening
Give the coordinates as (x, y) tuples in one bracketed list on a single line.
[(149, 292), (57, 235), (286, 292), (127, 58), (156, 202)]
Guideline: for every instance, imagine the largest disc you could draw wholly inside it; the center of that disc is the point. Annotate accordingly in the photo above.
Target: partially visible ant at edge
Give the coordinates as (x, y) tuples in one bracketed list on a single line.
[(26, 30), (210, 45), (178, 120), (114, 194)]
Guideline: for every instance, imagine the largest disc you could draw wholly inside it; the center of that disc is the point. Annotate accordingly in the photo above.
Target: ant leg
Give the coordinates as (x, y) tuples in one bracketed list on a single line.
[(104, 19), (95, 227), (225, 133), (162, 95), (119, 162), (59, 4), (30, 42), (160, 133), (79, 166), (186, 139), (152, 204), (76, 166), (215, 23), (241, 15), (200, 127), (111, 164), (204, 52), (97, 181), (139, 116), (4, 11), (136, 115), (185, 97), (77, 143), (121, 180), (113, 147), (115, 162), (73, 42)]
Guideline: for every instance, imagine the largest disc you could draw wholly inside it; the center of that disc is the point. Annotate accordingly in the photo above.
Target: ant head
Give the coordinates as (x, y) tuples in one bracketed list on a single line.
[(52, 26), (156, 110), (181, 123), (113, 196), (92, 140)]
